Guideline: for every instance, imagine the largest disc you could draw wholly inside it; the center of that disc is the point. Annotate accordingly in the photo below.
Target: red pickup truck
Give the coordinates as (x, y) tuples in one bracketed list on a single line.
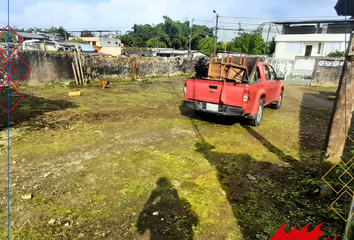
[(245, 98)]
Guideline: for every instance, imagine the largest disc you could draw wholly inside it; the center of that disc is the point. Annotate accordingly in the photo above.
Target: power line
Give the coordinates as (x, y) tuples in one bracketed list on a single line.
[(207, 21), (277, 17)]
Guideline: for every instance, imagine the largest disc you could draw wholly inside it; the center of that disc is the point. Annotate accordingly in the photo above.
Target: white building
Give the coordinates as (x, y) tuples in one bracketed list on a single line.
[(311, 38)]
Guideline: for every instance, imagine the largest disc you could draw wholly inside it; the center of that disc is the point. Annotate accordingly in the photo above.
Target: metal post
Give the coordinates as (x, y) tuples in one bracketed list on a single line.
[(225, 41), (190, 38), (265, 47), (216, 32)]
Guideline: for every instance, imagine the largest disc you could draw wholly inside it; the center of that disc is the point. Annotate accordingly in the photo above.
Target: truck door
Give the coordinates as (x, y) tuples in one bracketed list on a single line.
[(276, 83), (269, 88)]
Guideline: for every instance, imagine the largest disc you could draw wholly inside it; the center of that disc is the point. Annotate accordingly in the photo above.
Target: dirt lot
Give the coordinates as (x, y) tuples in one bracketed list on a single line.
[(98, 163)]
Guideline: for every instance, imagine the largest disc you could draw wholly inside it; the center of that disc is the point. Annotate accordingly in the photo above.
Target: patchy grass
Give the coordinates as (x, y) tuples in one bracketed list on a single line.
[(115, 157)]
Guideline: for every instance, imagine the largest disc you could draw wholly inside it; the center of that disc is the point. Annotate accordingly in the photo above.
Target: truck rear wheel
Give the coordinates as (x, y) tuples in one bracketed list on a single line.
[(259, 115)]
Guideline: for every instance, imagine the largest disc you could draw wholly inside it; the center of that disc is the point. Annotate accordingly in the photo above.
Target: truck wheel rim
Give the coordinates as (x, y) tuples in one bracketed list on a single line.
[(259, 114), (280, 99)]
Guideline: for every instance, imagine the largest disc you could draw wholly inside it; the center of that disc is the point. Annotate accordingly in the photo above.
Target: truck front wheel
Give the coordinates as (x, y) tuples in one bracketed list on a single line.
[(259, 115), (277, 105)]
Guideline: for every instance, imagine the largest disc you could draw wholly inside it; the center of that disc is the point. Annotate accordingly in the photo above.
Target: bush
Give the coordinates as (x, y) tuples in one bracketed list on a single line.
[(336, 54)]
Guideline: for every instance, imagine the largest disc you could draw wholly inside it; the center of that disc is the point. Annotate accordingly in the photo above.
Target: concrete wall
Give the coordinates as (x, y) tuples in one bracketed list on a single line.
[(46, 67), (50, 67), (327, 72), (56, 67), (133, 68), (309, 71), (297, 72), (148, 52)]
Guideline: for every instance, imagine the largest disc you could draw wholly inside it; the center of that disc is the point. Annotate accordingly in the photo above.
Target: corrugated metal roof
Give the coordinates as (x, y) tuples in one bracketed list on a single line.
[(66, 44), (29, 35), (87, 48), (313, 21)]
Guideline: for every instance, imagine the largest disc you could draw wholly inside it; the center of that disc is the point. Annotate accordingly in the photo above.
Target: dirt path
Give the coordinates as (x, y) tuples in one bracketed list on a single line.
[(93, 162)]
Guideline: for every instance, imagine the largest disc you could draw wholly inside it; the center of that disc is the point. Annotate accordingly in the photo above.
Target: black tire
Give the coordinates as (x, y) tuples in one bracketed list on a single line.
[(259, 115), (277, 105)]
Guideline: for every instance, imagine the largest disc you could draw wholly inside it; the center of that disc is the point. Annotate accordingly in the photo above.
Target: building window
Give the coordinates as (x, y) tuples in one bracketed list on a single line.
[(94, 43), (117, 43), (332, 47), (293, 47), (319, 48)]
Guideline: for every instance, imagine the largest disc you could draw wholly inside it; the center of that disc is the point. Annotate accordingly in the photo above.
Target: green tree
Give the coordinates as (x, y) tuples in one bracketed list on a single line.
[(5, 36), (34, 30), (62, 32), (206, 45), (155, 42), (128, 40), (78, 40), (52, 30), (271, 47), (169, 33), (251, 43), (86, 33), (336, 54)]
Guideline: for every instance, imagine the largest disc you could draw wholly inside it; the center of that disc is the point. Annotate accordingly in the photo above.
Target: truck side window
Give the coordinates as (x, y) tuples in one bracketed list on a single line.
[(257, 75), (273, 76), (266, 72)]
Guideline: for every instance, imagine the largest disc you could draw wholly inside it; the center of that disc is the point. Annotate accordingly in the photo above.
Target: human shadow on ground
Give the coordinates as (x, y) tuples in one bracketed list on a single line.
[(28, 108), (166, 215), (265, 195)]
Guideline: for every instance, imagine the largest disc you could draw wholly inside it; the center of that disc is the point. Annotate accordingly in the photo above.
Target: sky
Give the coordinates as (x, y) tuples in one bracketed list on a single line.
[(123, 14)]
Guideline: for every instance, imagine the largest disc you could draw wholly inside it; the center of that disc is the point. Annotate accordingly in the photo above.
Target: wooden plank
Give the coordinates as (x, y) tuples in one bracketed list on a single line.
[(73, 66), (77, 69), (74, 94), (236, 65), (214, 69), (82, 73)]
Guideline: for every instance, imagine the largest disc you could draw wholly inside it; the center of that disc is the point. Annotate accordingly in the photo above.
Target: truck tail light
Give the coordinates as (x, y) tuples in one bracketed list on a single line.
[(246, 95), (185, 88)]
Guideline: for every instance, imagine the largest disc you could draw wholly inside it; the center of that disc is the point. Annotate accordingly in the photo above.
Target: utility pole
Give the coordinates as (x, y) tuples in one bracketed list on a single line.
[(225, 41), (265, 47), (216, 31), (190, 38)]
